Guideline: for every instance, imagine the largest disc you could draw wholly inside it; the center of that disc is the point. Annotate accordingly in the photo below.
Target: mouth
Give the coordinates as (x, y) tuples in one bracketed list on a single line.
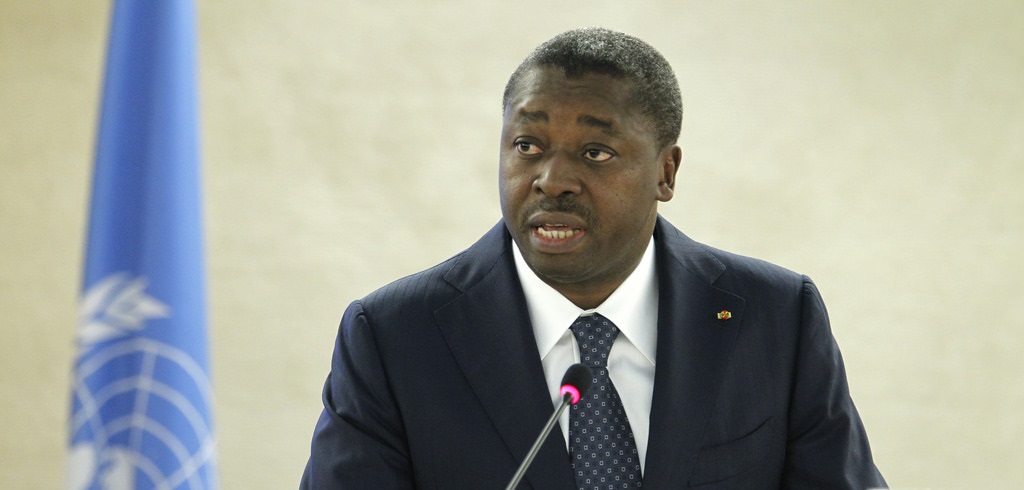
[(556, 238), (555, 231)]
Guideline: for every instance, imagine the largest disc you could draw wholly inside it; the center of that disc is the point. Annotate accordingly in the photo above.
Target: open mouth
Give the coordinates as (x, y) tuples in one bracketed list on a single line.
[(555, 231)]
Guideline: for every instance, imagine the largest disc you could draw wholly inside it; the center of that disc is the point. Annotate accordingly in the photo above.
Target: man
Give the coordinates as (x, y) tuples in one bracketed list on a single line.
[(723, 371)]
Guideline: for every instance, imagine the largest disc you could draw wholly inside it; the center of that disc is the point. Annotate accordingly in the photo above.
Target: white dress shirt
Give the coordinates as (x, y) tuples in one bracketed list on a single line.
[(633, 308)]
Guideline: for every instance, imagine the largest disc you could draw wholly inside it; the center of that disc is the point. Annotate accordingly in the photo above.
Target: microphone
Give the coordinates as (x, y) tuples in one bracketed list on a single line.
[(575, 383)]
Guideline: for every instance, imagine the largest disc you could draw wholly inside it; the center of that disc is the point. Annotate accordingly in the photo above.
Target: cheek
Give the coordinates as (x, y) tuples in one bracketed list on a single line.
[(628, 198), (512, 188), (636, 184), (512, 181)]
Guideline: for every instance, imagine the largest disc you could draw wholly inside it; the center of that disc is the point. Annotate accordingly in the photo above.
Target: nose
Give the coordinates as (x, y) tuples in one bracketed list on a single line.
[(558, 175)]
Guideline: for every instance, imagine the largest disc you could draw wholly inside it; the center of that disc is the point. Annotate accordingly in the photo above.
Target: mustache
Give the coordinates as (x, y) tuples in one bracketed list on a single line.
[(561, 204)]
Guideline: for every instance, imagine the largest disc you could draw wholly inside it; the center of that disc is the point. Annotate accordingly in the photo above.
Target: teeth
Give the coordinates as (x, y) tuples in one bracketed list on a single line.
[(555, 234)]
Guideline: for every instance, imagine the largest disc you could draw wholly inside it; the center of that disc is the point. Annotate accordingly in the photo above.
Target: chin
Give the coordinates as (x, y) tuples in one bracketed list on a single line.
[(557, 269)]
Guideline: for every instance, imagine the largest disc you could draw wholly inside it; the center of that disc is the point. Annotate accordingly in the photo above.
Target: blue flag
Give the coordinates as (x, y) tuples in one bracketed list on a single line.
[(141, 401)]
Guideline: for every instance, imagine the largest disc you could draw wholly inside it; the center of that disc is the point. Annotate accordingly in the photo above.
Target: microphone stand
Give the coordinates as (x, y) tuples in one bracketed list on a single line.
[(566, 400)]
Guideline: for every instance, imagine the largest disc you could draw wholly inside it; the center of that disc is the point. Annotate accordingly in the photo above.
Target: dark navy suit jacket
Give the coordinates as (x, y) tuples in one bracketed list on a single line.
[(436, 382)]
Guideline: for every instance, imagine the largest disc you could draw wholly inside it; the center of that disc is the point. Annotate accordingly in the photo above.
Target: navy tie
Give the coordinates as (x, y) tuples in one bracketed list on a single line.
[(604, 454)]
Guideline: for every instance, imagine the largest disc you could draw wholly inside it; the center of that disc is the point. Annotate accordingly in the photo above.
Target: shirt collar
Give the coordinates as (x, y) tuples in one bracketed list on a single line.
[(632, 307)]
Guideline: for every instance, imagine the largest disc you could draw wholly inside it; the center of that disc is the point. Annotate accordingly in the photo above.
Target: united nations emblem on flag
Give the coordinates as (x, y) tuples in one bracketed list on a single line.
[(139, 405)]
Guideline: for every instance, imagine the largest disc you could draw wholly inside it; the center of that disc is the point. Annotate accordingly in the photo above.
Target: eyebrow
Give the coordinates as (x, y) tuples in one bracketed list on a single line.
[(533, 116), (605, 126)]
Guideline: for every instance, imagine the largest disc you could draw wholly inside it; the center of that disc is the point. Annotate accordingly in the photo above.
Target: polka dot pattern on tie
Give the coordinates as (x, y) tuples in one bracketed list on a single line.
[(603, 452)]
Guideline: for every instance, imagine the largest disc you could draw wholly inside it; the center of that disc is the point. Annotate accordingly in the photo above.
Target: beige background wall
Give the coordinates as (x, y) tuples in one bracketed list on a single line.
[(877, 146)]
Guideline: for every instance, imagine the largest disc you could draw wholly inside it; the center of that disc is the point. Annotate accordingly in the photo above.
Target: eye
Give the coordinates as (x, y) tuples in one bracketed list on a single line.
[(528, 148), (597, 155)]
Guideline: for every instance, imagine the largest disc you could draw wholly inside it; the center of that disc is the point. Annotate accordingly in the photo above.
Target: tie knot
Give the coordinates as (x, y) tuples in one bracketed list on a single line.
[(595, 335)]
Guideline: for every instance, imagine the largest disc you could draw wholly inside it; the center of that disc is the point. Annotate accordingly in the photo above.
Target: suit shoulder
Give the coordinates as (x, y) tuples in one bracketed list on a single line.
[(426, 289), (719, 267), (751, 271)]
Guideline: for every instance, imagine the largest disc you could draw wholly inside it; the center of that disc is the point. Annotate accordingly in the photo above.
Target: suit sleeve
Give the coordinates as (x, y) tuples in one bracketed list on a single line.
[(359, 440), (828, 446)]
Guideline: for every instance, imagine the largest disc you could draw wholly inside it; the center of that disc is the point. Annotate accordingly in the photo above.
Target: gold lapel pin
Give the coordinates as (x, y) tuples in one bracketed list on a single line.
[(724, 315)]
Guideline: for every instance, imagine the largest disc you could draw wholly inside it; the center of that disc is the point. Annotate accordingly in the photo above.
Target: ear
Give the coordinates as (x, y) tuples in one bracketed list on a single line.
[(669, 159)]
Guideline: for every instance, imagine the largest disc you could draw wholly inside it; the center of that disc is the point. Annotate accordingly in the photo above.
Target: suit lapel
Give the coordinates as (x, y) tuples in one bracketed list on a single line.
[(692, 354), (489, 332)]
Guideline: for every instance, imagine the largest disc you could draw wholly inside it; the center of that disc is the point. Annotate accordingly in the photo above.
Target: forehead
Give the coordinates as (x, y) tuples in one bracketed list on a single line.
[(544, 91)]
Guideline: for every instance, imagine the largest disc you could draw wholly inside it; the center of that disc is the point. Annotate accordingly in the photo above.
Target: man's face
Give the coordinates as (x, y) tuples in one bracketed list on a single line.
[(580, 177)]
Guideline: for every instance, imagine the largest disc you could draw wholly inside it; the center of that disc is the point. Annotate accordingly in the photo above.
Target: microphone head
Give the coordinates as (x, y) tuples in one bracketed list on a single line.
[(576, 382)]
